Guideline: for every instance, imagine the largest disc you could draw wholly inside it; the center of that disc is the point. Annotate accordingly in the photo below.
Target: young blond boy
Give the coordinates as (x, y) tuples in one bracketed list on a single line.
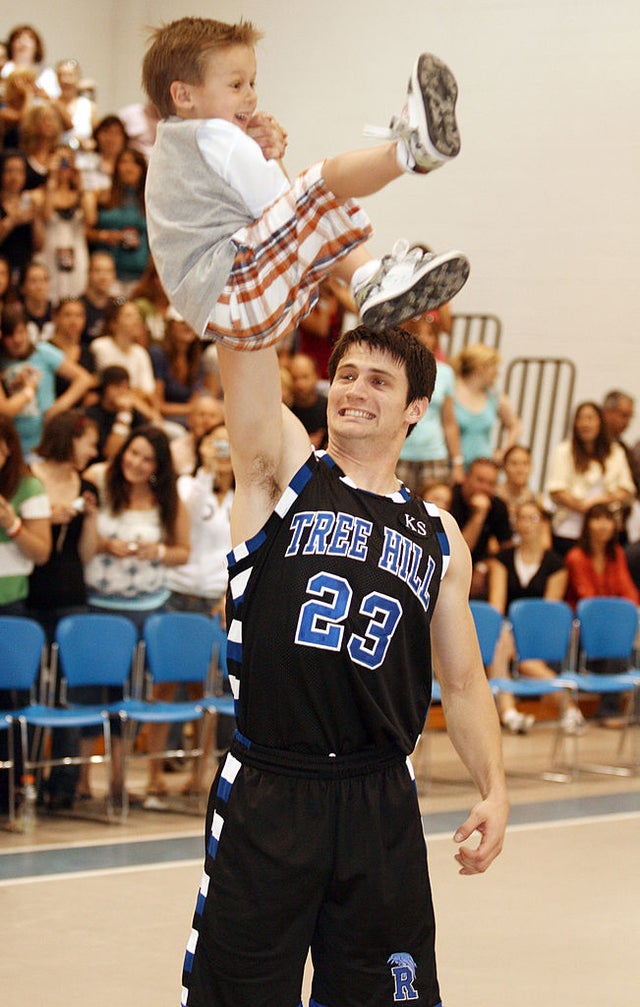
[(239, 249)]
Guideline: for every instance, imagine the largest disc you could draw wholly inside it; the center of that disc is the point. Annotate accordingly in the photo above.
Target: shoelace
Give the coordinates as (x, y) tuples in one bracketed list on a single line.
[(401, 252)]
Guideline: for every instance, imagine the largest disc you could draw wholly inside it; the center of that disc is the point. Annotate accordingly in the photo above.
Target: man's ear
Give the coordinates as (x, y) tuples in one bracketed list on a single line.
[(180, 95), (417, 409)]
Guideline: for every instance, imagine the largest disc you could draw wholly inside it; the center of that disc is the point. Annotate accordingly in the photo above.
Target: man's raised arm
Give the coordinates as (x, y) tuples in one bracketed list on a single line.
[(268, 444)]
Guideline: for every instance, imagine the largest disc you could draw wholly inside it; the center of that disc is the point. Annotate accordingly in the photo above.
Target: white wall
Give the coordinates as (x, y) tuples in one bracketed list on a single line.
[(543, 198)]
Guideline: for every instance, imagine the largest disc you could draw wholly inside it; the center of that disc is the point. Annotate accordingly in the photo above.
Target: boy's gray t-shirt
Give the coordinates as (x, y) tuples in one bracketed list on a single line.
[(191, 215)]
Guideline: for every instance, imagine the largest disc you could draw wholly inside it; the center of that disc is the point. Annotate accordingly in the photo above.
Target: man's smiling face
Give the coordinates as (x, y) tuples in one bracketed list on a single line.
[(368, 395)]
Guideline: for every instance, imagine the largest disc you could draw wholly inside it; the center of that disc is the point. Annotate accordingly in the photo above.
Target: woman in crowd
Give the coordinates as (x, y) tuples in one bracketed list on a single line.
[(20, 92), (21, 221), (25, 527), (177, 368), (25, 541), (598, 567), (28, 379), (26, 49), (437, 492), (118, 223), (97, 166), (122, 345), (479, 408), (597, 563), (35, 294), (432, 451), (200, 584), (80, 110), (584, 470), (41, 131), (141, 528), (57, 588), (65, 212), (69, 443), (515, 488), (68, 324), (529, 569)]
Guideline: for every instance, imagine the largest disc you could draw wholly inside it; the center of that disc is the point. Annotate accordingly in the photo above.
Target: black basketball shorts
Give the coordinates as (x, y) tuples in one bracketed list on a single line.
[(325, 854)]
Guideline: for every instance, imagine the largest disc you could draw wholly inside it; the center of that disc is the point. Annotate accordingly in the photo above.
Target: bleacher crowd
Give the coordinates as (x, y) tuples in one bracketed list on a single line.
[(115, 479)]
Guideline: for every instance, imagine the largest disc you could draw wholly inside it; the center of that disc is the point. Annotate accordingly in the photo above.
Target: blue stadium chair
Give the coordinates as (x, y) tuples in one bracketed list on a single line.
[(488, 622), (22, 659), (543, 630), (185, 647), (608, 629), (215, 701), (89, 651)]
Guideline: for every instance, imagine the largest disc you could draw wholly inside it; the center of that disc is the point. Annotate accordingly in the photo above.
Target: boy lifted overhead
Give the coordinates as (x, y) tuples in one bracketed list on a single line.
[(239, 248)]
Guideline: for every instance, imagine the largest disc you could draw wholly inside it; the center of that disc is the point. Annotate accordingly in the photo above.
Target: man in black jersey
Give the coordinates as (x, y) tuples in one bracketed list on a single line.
[(343, 589)]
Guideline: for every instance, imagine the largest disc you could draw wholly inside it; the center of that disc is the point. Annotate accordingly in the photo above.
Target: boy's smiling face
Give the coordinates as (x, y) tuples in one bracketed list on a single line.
[(226, 92)]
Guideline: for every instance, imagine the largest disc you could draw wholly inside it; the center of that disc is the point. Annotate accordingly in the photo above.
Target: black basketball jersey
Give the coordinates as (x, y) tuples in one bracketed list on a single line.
[(328, 617)]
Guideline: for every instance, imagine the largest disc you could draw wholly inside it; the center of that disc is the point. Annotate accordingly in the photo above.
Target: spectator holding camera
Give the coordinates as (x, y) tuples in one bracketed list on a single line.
[(65, 212)]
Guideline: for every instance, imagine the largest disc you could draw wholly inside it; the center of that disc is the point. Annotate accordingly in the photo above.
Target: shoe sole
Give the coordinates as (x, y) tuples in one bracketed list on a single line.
[(442, 278), (433, 93)]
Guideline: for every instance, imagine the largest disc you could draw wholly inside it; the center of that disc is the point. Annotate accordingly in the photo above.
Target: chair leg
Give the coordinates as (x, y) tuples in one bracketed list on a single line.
[(630, 730), (10, 766)]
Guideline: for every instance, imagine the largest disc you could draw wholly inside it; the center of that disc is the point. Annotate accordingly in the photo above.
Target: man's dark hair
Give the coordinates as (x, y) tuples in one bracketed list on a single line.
[(419, 363), (482, 461)]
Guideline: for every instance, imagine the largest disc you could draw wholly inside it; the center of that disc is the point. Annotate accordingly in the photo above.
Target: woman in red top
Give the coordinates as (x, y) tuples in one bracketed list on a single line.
[(597, 564)]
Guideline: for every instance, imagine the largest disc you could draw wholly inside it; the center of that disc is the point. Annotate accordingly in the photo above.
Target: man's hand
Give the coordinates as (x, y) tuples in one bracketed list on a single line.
[(480, 504), (270, 136), (489, 818)]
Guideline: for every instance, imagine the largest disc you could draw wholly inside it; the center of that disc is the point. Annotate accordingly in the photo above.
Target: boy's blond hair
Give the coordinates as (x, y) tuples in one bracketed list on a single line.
[(180, 51)]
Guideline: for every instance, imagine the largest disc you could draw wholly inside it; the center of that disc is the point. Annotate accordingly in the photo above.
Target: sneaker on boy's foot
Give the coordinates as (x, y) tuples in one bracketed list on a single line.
[(409, 283), (427, 124)]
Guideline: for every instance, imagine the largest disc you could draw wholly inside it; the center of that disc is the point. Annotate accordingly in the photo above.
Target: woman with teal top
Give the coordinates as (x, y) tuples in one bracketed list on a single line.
[(479, 407), (28, 378), (25, 527), (119, 223), (432, 451)]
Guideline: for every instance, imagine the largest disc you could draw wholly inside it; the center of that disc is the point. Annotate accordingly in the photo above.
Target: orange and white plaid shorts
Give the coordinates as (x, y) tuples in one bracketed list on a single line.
[(280, 260)]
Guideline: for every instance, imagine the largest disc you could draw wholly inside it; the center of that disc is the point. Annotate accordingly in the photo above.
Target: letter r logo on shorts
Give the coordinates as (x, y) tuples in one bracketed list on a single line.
[(403, 972)]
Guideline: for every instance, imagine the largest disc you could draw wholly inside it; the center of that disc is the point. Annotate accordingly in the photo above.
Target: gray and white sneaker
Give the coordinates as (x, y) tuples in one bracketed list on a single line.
[(408, 283), (427, 123)]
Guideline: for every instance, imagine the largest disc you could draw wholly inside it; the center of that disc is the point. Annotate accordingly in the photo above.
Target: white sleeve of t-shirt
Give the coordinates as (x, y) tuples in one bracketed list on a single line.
[(241, 164)]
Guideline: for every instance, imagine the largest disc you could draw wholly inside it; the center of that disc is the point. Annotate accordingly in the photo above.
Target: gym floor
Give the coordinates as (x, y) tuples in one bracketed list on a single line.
[(98, 914)]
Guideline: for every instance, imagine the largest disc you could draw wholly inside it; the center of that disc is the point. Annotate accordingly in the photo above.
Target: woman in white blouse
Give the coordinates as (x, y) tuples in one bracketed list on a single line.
[(584, 470)]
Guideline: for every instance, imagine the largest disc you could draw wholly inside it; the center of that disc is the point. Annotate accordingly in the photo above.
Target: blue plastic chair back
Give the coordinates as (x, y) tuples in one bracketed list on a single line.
[(179, 646), (96, 649), (541, 629), (608, 627), (220, 644), (22, 642), (488, 623)]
